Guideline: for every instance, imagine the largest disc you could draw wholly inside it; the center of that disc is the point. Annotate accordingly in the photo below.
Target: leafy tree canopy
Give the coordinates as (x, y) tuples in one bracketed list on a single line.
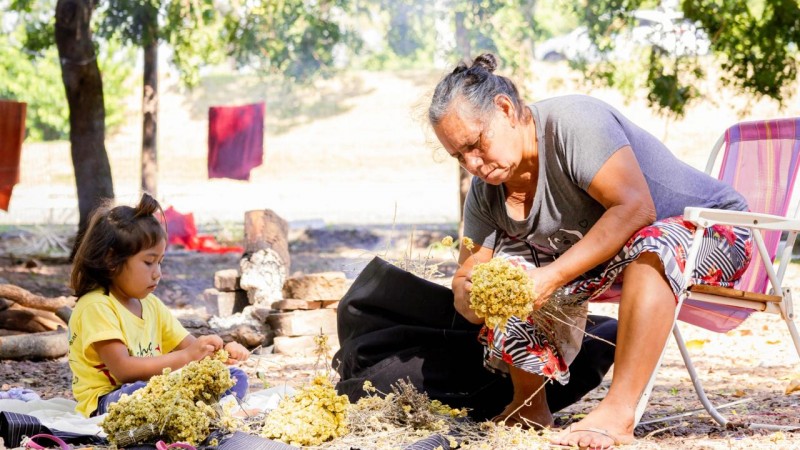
[(755, 43), (30, 72)]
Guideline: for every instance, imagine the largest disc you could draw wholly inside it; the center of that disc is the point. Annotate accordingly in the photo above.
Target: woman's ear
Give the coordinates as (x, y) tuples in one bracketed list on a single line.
[(506, 107)]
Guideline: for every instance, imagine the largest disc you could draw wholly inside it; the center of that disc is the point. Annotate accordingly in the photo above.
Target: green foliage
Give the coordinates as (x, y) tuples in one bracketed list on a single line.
[(33, 75), (755, 42)]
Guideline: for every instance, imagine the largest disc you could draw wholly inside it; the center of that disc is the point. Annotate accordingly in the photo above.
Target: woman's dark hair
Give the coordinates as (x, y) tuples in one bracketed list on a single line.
[(477, 85), (113, 236)]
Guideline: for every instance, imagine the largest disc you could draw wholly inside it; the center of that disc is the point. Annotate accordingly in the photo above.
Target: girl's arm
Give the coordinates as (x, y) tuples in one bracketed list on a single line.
[(127, 369), (462, 280)]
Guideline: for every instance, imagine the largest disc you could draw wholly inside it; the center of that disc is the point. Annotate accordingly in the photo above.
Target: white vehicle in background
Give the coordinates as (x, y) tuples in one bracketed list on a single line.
[(665, 30)]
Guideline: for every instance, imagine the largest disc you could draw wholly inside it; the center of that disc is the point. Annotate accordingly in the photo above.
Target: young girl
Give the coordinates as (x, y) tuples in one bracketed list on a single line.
[(120, 334)]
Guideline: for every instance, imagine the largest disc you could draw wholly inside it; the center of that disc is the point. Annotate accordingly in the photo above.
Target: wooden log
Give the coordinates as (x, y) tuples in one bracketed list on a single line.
[(265, 264), (50, 344), (29, 320), (28, 299), (264, 229)]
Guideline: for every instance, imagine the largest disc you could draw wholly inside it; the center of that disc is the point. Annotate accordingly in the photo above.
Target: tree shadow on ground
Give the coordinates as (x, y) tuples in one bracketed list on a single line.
[(288, 104)]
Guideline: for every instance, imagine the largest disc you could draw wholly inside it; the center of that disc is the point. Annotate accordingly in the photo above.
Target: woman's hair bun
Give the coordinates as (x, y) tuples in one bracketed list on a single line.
[(460, 68), (487, 60)]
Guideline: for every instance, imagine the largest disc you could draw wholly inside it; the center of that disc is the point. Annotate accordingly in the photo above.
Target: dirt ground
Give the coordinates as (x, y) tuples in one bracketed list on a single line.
[(751, 365)]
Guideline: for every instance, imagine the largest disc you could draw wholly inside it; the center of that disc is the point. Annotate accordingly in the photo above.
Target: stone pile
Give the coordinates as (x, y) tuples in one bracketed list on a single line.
[(289, 311)]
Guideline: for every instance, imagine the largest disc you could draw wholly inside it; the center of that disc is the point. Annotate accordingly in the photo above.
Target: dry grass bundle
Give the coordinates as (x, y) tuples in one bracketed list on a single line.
[(398, 419)]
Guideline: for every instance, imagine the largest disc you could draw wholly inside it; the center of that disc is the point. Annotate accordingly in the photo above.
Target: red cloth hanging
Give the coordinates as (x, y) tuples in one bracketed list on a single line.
[(12, 133), (182, 231), (235, 140)]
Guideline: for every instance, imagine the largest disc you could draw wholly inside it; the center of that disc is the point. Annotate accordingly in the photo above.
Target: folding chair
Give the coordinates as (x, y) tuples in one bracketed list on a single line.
[(760, 160)]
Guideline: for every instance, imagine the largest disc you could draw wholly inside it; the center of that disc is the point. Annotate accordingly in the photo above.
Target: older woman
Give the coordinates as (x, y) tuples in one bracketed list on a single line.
[(585, 198)]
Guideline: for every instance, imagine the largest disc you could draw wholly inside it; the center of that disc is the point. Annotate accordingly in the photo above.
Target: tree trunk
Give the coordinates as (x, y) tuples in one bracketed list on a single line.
[(462, 38), (84, 89), (150, 119)]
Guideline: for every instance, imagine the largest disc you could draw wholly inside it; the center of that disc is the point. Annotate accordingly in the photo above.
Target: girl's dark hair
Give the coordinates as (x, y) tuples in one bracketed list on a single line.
[(477, 85), (113, 236)]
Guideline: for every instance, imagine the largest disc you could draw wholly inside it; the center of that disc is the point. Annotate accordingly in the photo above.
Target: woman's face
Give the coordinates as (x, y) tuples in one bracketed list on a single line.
[(490, 151)]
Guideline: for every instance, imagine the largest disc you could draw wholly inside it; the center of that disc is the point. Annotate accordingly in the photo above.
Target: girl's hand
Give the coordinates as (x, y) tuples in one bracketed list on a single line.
[(236, 352), (204, 346)]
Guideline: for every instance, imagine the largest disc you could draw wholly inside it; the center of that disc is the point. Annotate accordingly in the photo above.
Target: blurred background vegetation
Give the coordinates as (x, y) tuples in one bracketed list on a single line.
[(754, 43)]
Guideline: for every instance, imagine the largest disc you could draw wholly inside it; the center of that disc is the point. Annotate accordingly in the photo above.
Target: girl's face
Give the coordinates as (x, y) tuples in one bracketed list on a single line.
[(490, 151), (140, 274)]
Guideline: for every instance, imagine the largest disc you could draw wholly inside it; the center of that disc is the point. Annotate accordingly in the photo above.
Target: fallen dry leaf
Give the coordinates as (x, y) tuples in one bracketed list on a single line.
[(739, 393), (793, 386), (696, 344)]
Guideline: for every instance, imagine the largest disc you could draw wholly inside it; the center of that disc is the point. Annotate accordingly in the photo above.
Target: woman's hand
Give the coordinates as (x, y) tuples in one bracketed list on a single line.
[(236, 352), (545, 283), (461, 297)]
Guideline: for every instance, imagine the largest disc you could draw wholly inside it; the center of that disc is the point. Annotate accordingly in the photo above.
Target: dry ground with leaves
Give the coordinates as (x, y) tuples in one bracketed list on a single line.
[(350, 158), (752, 365)]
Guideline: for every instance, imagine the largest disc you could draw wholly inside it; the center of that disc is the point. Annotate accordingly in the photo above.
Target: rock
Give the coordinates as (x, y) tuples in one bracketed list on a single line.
[(302, 345), (224, 304), (263, 276), (242, 328), (316, 286), (227, 280), (303, 323)]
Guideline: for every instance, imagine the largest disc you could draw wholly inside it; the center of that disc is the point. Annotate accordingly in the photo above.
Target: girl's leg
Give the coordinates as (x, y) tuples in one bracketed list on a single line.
[(104, 402), (240, 378), (646, 312), (529, 405)]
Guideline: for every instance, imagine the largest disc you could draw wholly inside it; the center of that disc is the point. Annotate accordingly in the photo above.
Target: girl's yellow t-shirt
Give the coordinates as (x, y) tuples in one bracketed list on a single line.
[(100, 317)]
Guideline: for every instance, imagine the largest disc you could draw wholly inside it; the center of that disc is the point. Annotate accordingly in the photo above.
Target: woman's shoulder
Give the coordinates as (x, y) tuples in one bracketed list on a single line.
[(568, 105)]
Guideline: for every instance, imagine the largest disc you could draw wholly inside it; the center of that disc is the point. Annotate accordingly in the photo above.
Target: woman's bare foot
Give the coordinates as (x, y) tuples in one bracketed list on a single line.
[(527, 416), (603, 428)]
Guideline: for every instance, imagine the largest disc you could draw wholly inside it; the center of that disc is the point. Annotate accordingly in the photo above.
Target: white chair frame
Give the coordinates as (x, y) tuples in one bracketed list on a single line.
[(778, 301)]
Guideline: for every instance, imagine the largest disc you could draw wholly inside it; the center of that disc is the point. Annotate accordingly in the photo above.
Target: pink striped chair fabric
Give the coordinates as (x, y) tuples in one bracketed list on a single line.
[(760, 160)]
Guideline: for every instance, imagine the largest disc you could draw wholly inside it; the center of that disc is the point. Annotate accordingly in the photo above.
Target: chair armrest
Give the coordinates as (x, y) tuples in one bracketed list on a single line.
[(706, 217)]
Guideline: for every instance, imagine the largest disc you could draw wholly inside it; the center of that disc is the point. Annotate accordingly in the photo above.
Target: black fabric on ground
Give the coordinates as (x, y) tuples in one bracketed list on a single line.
[(394, 325)]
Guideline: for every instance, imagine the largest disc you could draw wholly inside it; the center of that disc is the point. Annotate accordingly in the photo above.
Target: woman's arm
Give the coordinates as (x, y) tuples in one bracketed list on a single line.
[(462, 280), (127, 369), (621, 188)]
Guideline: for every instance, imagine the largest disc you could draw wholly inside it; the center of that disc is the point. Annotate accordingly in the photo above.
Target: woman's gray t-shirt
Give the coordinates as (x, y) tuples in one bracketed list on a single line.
[(577, 134)]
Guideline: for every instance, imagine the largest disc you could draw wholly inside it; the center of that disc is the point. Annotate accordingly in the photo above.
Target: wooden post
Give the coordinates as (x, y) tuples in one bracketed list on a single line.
[(265, 264)]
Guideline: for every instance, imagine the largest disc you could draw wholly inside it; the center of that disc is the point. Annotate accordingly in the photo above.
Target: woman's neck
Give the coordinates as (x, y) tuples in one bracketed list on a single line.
[(525, 178)]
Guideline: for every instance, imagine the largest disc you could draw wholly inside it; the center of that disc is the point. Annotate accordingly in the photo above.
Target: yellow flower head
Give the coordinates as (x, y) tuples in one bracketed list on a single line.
[(447, 241), (501, 290)]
